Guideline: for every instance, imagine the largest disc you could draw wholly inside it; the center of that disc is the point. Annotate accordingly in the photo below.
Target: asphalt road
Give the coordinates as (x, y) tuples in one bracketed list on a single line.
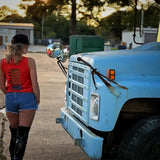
[(47, 140)]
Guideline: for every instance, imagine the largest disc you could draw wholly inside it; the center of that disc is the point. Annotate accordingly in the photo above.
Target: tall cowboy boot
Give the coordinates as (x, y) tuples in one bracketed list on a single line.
[(21, 141), (12, 141)]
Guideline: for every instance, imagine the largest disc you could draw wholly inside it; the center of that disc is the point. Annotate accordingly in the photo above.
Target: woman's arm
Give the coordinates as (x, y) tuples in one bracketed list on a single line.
[(33, 75), (2, 80)]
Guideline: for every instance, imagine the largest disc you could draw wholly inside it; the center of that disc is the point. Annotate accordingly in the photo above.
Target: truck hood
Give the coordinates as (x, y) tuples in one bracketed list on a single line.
[(142, 60)]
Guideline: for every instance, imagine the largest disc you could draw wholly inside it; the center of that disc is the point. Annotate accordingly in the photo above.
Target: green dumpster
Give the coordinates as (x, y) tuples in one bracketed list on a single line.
[(85, 43)]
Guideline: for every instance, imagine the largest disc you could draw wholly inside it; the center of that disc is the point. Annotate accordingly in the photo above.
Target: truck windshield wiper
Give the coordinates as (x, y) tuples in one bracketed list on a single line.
[(101, 76)]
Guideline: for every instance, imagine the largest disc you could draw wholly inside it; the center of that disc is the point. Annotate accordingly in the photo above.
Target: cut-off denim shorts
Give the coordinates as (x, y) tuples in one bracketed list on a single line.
[(15, 102)]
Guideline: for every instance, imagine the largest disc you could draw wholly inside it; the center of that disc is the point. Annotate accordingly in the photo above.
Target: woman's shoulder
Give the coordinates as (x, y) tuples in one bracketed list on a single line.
[(31, 62), (2, 60), (29, 59)]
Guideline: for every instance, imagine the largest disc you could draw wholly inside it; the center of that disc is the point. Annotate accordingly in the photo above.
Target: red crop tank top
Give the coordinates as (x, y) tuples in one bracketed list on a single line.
[(17, 75)]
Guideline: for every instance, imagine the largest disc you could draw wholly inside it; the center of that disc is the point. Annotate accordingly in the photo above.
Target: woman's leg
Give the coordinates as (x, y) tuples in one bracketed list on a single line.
[(13, 119), (26, 117), (25, 121), (12, 141), (14, 122)]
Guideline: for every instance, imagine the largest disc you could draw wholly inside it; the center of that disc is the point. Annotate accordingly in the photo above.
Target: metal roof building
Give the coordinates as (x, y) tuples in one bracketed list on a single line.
[(8, 30)]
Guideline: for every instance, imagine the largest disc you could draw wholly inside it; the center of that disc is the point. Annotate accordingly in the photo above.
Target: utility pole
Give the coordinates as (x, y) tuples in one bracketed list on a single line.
[(42, 26)]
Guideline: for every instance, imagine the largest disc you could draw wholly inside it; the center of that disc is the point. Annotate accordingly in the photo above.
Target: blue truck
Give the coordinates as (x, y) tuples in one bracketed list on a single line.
[(113, 103)]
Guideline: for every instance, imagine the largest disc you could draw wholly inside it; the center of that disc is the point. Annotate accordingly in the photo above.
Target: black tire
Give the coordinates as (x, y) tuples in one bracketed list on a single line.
[(142, 141)]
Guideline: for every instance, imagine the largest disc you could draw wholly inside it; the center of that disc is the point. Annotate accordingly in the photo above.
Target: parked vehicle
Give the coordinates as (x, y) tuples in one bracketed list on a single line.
[(48, 41), (113, 103)]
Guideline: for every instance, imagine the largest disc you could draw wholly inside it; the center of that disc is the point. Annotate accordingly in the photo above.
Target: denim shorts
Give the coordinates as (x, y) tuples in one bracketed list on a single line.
[(15, 102)]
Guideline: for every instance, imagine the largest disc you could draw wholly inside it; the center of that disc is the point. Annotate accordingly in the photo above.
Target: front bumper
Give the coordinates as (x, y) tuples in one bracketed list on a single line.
[(90, 143)]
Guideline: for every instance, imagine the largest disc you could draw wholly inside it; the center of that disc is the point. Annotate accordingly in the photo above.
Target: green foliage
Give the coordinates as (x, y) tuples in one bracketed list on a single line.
[(5, 11), (37, 11), (16, 18), (152, 16), (50, 34), (84, 29), (59, 27), (90, 4), (57, 24), (120, 2), (128, 20), (112, 26)]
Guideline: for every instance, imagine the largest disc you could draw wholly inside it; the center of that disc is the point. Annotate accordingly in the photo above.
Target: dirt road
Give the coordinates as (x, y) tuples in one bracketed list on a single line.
[(47, 140)]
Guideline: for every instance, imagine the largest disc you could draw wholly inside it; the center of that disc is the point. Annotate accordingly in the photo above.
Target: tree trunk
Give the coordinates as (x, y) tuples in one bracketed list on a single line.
[(73, 19)]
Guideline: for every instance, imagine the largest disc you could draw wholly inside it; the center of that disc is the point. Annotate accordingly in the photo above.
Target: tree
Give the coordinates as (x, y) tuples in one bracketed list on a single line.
[(87, 5), (16, 18), (5, 11), (36, 11), (88, 9), (121, 3), (112, 26), (84, 29), (152, 16), (57, 25)]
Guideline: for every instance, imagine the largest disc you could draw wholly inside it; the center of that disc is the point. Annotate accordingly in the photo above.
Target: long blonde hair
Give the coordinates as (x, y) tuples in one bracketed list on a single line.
[(14, 51)]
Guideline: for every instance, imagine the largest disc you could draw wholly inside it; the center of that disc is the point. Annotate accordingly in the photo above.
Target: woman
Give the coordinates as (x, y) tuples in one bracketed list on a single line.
[(22, 94)]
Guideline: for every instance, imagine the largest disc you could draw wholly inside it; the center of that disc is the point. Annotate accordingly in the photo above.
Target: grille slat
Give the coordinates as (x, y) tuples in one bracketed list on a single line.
[(78, 106), (79, 84), (78, 87)]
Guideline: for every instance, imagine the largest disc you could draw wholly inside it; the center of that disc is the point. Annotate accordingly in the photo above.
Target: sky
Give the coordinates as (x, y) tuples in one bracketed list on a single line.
[(12, 4)]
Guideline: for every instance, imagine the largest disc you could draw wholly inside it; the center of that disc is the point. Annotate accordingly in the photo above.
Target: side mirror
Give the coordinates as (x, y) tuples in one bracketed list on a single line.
[(58, 53)]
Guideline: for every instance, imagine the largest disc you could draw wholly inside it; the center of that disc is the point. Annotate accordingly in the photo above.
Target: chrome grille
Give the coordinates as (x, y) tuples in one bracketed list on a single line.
[(78, 87)]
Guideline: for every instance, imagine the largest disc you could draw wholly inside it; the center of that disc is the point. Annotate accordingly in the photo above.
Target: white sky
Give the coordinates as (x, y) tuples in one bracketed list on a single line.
[(12, 4)]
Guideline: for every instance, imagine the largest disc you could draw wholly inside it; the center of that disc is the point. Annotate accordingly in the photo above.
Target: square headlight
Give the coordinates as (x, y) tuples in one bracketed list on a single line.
[(94, 106)]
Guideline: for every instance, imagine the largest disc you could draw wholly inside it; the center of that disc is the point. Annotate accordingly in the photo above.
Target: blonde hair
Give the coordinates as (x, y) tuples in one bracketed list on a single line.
[(14, 51)]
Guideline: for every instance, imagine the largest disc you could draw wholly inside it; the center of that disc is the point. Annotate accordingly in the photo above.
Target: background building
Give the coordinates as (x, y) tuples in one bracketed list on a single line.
[(8, 30), (147, 35)]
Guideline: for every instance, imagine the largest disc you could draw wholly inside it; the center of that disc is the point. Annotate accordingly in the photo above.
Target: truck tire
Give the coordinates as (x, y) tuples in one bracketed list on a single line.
[(142, 141)]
